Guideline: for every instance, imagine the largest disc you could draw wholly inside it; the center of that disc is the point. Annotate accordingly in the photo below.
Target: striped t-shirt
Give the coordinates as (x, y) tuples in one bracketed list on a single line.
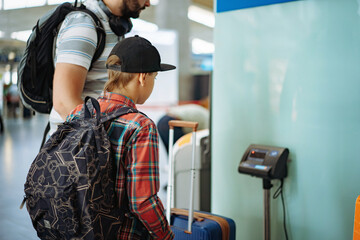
[(76, 44)]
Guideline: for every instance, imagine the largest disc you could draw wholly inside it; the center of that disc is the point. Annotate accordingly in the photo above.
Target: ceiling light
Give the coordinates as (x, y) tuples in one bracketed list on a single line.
[(154, 2), (53, 2), (202, 47), (22, 35), (10, 4), (162, 37), (143, 26), (201, 15)]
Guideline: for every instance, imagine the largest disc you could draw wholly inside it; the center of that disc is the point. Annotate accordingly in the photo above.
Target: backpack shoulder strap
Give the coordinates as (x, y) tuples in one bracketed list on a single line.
[(118, 112), (45, 134), (115, 114)]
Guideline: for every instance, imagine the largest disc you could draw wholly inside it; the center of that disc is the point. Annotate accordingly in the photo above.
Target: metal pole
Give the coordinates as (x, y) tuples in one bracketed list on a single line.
[(266, 214), (266, 186), (191, 208), (170, 188)]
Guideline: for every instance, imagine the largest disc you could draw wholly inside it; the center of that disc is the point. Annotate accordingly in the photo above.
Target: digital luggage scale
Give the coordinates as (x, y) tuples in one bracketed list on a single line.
[(268, 163), (264, 162)]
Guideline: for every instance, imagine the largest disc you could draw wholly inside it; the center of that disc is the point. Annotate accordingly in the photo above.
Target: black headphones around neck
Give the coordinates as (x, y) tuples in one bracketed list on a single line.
[(119, 25)]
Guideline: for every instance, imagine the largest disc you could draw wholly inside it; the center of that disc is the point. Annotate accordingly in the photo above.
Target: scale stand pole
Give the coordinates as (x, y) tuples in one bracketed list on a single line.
[(267, 186)]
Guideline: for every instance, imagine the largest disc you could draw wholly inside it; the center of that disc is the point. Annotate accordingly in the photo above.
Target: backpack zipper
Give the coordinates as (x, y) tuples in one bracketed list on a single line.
[(36, 101)]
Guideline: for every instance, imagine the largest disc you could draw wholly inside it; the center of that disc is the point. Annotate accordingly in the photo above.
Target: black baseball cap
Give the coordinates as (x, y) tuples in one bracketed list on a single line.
[(137, 55)]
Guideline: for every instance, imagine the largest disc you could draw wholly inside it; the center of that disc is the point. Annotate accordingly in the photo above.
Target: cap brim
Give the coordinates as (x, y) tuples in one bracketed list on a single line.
[(166, 67)]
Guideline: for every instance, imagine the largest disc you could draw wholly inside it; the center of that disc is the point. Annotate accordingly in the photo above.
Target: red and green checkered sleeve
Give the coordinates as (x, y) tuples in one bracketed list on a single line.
[(143, 183)]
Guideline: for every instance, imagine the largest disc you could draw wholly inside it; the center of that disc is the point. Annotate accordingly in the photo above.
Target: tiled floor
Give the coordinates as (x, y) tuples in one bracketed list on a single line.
[(19, 145)]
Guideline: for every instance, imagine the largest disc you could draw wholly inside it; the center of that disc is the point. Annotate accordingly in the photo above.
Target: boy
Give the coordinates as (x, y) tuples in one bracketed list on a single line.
[(132, 66)]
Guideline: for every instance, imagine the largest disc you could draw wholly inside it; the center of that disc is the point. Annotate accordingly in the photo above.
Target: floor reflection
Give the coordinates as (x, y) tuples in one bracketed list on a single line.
[(19, 144)]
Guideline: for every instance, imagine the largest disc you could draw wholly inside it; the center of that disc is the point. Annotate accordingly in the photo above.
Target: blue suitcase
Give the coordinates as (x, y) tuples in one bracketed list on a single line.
[(205, 226), (190, 224)]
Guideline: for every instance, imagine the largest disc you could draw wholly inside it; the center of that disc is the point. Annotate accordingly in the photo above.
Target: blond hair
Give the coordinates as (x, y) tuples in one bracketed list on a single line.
[(117, 79)]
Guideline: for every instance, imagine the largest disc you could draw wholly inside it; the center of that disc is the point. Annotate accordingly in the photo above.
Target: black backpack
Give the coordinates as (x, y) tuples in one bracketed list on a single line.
[(36, 68), (70, 187)]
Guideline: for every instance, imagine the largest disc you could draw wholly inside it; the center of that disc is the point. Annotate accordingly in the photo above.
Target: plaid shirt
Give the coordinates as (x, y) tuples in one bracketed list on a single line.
[(135, 150)]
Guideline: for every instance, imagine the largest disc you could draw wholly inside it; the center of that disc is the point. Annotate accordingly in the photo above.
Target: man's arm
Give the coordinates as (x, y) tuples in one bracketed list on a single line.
[(75, 47), (69, 80)]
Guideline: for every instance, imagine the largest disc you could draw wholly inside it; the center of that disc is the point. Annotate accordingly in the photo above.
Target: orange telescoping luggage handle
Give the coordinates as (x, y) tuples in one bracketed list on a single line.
[(187, 124), (170, 190), (183, 212)]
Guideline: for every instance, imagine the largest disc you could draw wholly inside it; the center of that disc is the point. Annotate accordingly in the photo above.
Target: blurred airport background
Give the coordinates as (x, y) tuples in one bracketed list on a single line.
[(278, 72)]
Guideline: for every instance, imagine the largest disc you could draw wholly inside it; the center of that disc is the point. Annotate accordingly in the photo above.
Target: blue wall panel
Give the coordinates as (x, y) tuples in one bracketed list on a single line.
[(229, 5)]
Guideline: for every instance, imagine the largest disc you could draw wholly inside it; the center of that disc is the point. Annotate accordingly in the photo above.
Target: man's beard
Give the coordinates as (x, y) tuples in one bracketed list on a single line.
[(127, 11)]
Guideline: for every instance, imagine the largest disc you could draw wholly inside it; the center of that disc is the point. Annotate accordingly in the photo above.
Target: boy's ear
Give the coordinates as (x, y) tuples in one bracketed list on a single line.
[(142, 79)]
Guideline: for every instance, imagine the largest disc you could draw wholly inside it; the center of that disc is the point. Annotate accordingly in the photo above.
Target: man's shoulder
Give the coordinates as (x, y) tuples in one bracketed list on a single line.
[(78, 17), (82, 16)]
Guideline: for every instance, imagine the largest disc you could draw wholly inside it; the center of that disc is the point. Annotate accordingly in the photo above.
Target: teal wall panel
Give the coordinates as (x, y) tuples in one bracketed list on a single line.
[(288, 75)]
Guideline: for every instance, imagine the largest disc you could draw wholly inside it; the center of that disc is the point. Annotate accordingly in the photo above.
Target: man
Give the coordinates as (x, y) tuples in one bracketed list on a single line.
[(75, 46)]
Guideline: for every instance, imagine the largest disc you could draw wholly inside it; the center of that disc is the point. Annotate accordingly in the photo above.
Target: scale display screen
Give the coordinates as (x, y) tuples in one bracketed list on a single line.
[(256, 153)]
